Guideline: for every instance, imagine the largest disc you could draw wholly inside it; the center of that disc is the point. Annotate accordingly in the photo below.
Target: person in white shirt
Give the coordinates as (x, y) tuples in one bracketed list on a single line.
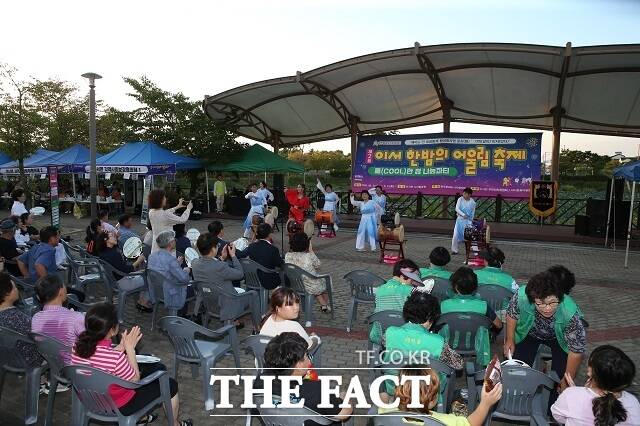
[(268, 195), (377, 195), (19, 198), (284, 306), (465, 212)]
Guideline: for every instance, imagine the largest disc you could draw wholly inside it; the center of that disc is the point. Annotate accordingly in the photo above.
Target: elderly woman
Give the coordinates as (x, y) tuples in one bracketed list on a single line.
[(175, 287), (541, 313), (301, 254), (163, 220)]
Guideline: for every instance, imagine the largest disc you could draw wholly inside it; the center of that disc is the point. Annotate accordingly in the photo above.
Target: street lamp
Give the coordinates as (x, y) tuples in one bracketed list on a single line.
[(93, 178)]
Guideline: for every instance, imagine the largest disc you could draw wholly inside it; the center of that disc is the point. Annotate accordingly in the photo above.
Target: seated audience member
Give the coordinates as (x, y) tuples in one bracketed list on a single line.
[(464, 284), (16, 320), (438, 259), (148, 236), (286, 355), (103, 215), (55, 320), (40, 261), (9, 248), (209, 269), (19, 197), (391, 295), (175, 287), (541, 313), (301, 254), (266, 254), (125, 229), (93, 349), (182, 242), (429, 391), (25, 231), (93, 230), (493, 273), (107, 249), (565, 277), (284, 307), (421, 311), (603, 400), (216, 228)]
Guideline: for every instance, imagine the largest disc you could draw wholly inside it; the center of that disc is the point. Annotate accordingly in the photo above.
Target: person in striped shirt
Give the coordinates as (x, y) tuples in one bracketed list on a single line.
[(93, 348)]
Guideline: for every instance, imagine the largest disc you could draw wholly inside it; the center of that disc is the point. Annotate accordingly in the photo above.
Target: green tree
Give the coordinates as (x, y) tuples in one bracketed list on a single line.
[(582, 162)]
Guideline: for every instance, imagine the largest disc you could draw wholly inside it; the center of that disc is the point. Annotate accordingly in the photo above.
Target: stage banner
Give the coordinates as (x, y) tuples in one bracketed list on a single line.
[(445, 164)]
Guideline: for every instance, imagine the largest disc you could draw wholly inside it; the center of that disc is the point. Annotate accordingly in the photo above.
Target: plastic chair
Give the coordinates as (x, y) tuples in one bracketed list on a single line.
[(204, 353), (525, 393), (54, 352), (155, 281), (295, 274), (12, 361), (463, 327), (402, 418), (252, 280), (257, 344), (496, 296), (441, 287), (83, 270), (90, 398), (226, 303), (109, 274), (28, 302), (293, 417), (386, 319), (363, 284)]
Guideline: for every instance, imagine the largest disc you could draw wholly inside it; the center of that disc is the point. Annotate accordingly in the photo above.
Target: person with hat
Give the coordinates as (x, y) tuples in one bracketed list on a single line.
[(493, 273), (175, 287), (9, 247), (391, 295)]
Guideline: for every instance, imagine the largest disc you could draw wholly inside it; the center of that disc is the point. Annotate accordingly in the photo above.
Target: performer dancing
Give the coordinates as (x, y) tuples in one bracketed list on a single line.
[(257, 208), (298, 201), (331, 201), (265, 193), (465, 210), (367, 230), (378, 196)]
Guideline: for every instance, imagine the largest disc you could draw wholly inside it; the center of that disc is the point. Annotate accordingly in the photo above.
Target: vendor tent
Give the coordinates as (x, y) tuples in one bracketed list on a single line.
[(31, 163), (630, 172), (144, 158), (73, 156), (258, 159)]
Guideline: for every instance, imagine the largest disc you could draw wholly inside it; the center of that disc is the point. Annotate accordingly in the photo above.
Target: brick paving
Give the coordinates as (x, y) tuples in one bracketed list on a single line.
[(607, 293)]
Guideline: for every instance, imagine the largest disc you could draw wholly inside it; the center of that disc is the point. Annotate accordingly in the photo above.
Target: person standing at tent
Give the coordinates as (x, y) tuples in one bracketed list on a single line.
[(298, 201), (465, 210), (257, 202), (331, 201), (367, 228), (266, 194), (163, 220), (19, 197), (219, 191)]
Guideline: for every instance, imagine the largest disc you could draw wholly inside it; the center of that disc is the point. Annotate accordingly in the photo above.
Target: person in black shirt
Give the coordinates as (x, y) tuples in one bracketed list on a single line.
[(286, 355), (215, 228), (266, 254), (9, 248)]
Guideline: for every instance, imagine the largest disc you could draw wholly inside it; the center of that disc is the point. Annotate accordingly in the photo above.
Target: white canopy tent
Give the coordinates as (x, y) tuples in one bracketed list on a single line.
[(631, 173)]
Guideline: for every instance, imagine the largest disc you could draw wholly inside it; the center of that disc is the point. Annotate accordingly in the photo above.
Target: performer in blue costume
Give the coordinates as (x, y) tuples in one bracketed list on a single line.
[(465, 210), (257, 208), (367, 231), (331, 202), (265, 193), (378, 196)]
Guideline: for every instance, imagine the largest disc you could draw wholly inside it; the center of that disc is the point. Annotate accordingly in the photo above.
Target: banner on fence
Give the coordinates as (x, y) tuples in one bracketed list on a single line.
[(543, 198), (444, 164), (54, 196)]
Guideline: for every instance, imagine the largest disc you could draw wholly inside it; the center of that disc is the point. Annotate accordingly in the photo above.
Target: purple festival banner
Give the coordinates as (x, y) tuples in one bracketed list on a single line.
[(445, 164)]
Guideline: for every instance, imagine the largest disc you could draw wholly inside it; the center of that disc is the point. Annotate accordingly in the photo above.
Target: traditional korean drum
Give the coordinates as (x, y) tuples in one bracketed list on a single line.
[(294, 227), (324, 217), (387, 234)]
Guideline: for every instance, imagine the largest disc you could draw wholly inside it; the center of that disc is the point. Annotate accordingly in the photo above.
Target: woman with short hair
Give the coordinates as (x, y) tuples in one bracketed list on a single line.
[(301, 254), (163, 220)]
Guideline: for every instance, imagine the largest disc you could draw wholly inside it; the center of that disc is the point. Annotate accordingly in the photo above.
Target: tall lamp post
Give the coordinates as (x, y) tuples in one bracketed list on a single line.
[(93, 178)]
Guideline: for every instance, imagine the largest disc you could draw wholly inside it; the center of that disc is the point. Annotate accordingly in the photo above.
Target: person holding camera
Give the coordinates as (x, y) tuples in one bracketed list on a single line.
[(162, 220)]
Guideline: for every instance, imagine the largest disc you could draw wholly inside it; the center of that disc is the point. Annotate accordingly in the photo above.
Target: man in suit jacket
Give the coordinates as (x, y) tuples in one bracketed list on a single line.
[(266, 254)]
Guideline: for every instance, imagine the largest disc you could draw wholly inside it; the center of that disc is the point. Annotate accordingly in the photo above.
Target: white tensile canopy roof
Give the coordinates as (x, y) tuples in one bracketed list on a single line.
[(593, 89)]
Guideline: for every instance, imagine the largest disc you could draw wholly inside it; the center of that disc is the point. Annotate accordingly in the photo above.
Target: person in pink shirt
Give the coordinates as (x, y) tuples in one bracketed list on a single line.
[(602, 401), (93, 348)]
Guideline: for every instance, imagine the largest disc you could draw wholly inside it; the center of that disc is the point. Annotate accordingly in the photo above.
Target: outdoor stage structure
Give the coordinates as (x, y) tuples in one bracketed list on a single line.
[(590, 89)]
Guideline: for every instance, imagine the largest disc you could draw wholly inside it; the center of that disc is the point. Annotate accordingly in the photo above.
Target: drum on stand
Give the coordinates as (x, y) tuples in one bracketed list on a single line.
[(324, 217), (389, 238), (391, 235), (294, 227), (324, 220)]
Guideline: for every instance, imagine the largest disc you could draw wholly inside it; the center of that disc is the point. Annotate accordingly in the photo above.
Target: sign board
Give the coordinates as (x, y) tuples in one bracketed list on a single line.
[(27, 170), (144, 214), (543, 197), (55, 203), (445, 164), (158, 169)]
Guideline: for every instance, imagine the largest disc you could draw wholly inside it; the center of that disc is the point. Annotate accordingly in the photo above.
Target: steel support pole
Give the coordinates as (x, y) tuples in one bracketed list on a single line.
[(353, 128), (93, 176), (206, 182), (633, 195), (606, 235)]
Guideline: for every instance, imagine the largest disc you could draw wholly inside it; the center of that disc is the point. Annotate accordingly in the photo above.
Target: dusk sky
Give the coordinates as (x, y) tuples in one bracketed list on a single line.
[(203, 48)]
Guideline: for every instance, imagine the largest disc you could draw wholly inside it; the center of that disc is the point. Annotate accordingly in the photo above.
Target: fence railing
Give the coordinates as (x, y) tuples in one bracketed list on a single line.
[(494, 209)]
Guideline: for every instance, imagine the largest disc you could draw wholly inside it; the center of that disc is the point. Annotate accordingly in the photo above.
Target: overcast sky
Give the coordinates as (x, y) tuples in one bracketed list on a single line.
[(206, 47)]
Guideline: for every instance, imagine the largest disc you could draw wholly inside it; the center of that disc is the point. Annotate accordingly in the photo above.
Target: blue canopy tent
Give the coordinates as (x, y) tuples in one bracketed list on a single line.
[(67, 160), (31, 164), (629, 172), (4, 158)]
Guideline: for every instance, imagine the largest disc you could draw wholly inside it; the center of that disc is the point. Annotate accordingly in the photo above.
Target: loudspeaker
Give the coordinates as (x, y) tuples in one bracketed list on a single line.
[(597, 210), (581, 226), (618, 191), (278, 194)]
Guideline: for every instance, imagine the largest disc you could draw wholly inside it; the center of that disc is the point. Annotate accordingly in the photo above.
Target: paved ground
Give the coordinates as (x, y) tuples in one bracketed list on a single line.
[(607, 293)]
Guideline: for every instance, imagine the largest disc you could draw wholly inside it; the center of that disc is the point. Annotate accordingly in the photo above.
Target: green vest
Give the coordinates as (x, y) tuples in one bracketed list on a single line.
[(410, 339), (390, 296), (566, 310), (435, 271), (490, 275), (468, 304)]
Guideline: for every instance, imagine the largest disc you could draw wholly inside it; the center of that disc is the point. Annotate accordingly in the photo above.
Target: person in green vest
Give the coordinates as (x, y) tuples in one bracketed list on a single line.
[(464, 284), (541, 313), (219, 191), (391, 295), (414, 338), (565, 277), (493, 273), (438, 259)]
